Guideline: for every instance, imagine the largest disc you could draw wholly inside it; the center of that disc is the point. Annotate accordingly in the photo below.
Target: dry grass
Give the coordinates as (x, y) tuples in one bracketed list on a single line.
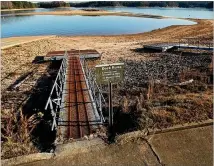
[(15, 133), (165, 106)]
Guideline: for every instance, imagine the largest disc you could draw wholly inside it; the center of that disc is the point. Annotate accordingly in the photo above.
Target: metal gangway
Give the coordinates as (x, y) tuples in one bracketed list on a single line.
[(56, 102), (183, 43)]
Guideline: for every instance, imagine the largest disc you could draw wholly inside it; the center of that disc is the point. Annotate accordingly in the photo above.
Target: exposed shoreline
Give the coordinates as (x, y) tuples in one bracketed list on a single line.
[(91, 13), (112, 7), (97, 13), (102, 13), (19, 9)]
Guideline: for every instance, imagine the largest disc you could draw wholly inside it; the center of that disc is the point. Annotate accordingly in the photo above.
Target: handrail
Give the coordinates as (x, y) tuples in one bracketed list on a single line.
[(55, 97), (96, 92)]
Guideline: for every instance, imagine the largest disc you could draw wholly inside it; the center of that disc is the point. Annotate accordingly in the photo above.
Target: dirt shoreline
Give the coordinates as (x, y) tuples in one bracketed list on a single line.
[(83, 12), (18, 9), (91, 13)]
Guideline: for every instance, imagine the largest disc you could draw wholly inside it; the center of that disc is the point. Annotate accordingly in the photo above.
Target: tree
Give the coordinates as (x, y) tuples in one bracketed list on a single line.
[(6, 5), (172, 4), (210, 5), (53, 4)]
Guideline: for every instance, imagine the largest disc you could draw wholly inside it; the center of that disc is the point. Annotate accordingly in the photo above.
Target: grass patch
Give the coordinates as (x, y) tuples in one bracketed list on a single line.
[(16, 129)]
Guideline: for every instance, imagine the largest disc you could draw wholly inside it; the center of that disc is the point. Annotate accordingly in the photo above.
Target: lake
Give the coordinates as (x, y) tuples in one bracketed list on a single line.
[(81, 25), (201, 13)]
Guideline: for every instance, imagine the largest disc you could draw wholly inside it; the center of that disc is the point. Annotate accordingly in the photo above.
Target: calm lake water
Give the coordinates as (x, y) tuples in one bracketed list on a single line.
[(201, 13), (81, 25)]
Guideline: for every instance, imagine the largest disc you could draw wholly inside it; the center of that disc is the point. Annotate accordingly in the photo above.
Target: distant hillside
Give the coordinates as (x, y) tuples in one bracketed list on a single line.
[(17, 5), (24, 4), (182, 4)]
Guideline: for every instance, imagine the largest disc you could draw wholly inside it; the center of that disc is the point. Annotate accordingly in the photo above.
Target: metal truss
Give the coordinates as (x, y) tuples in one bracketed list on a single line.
[(55, 98)]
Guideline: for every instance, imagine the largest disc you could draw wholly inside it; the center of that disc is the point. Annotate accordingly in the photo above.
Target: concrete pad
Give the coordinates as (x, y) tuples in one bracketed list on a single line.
[(190, 147), (136, 153)]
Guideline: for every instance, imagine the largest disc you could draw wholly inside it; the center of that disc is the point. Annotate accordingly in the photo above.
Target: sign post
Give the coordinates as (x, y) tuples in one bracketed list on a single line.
[(110, 108), (106, 75)]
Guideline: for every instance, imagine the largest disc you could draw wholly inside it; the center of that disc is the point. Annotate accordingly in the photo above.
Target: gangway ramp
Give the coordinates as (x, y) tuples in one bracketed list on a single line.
[(80, 110)]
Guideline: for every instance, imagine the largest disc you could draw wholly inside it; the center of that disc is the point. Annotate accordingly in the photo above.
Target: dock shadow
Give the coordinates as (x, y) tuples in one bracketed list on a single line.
[(144, 50), (42, 136)]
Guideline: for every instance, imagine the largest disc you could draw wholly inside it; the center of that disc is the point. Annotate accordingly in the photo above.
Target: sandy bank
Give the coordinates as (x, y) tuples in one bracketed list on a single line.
[(13, 41), (112, 47), (18, 9)]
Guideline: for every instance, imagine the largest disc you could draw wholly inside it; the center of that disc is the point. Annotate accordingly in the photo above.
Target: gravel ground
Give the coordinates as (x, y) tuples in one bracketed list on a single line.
[(165, 69)]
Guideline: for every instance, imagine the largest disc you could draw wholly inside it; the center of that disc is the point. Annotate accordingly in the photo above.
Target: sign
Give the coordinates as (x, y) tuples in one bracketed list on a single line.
[(109, 73)]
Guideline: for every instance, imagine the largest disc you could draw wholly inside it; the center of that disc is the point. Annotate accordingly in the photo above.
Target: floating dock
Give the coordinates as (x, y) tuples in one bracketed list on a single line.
[(166, 46), (86, 54)]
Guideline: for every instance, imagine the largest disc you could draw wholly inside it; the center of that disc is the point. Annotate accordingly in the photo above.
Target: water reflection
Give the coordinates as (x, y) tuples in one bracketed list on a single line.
[(14, 19), (202, 13)]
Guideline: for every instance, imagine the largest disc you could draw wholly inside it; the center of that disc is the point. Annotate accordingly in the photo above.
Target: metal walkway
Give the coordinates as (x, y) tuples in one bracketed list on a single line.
[(75, 100), (185, 43)]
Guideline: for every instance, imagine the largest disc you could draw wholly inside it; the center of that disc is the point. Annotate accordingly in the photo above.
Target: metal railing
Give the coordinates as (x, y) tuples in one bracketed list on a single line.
[(55, 98), (96, 93)]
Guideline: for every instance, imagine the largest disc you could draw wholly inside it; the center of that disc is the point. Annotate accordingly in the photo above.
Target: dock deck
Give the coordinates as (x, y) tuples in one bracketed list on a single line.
[(78, 115), (87, 54)]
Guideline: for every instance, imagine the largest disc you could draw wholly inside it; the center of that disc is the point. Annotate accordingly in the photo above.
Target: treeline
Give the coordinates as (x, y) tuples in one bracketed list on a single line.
[(17, 5), (53, 4), (182, 4)]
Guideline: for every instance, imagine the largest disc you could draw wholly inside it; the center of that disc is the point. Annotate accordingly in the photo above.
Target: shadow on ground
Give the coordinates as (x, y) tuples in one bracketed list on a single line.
[(42, 136)]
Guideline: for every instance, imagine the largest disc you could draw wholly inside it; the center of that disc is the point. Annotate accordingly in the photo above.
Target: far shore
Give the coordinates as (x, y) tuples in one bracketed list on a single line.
[(95, 13), (110, 7), (19, 9), (101, 13)]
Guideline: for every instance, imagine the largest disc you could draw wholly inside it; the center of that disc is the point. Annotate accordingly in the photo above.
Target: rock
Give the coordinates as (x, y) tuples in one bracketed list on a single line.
[(85, 137), (91, 136)]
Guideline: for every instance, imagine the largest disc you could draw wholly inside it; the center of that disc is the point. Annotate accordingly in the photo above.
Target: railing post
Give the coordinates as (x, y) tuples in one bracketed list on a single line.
[(53, 115), (100, 107)]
